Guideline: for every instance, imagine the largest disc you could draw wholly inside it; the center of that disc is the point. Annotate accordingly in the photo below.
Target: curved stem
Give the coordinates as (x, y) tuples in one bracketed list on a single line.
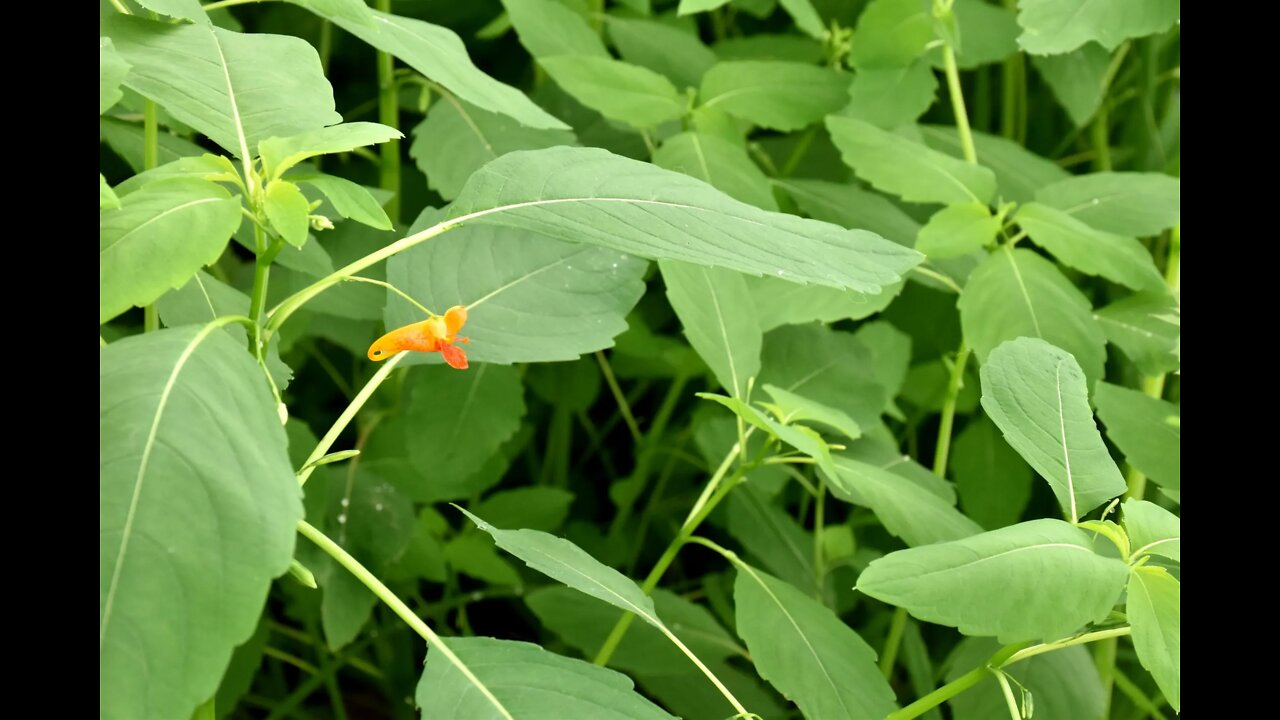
[(955, 687), (943, 447), (397, 606), (891, 644), (392, 288), (326, 442), (623, 406), (957, 104)]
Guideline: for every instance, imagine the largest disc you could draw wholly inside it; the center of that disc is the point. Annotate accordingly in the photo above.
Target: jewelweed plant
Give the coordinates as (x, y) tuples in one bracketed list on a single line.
[(777, 336)]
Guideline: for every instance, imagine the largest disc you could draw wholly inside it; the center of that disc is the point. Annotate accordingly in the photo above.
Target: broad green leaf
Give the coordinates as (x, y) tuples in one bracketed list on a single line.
[(719, 163), (763, 46), (531, 298), (107, 199), (529, 682), (439, 54), (797, 408), (126, 139), (688, 7), (909, 170), (569, 386), (850, 206), (351, 200), (212, 79), (1094, 252), (241, 671), (281, 153), (1076, 79), (1019, 172), (710, 304), (771, 536), (988, 33), (1063, 684), (890, 353), (799, 437), (906, 509), (1137, 325), (1037, 580), (197, 501), (993, 481), (620, 91), (890, 97), (547, 28), (537, 508), (287, 210), (1037, 395), (1017, 293), (473, 554), (185, 9), (819, 362), (806, 652), (214, 168), (806, 17), (1128, 203), (774, 94), (677, 54), (112, 70), (958, 230), (457, 419), (891, 33), (1139, 425), (1050, 27), (927, 384), (423, 558), (591, 196), (457, 138), (1152, 529), (778, 302), (1154, 608), (355, 11), (158, 238)]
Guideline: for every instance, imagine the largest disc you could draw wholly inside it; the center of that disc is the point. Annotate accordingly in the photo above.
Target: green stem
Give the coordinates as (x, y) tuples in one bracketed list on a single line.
[(943, 447), (326, 442), (394, 289), (1137, 697), (1010, 702), (229, 3), (890, 653), (955, 687), (150, 159), (397, 606), (799, 151), (819, 519), (1104, 657), (623, 406), (121, 7), (957, 104), (648, 448), (1099, 133), (389, 114)]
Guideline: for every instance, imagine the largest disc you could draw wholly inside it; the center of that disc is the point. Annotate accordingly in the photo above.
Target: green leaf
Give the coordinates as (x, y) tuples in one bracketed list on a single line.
[(112, 70), (806, 652), (473, 554), (1128, 203), (989, 32), (796, 408), (1094, 252), (722, 164), (958, 230), (770, 535), (1138, 425), (126, 140), (672, 52), (1152, 529), (806, 17), (591, 196), (185, 9), (891, 33), (906, 509), (688, 7), (1019, 172), (158, 238), (1036, 394), (620, 91), (349, 199), (763, 46), (423, 558), (107, 199), (439, 54), (287, 210), (281, 153), (774, 94), (993, 481), (1062, 684), (537, 508), (548, 28), (214, 168), (797, 436), (212, 80), (1017, 293), (1137, 326), (355, 11), (531, 298), (241, 671), (1155, 613), (893, 164), (529, 682), (849, 205), (778, 302), (197, 501), (891, 97), (1076, 80), (1037, 580), (709, 303), (1050, 27), (819, 362), (457, 138), (457, 419)]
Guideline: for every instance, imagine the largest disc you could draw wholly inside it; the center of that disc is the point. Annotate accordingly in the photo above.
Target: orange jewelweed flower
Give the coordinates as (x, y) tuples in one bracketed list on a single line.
[(435, 334)]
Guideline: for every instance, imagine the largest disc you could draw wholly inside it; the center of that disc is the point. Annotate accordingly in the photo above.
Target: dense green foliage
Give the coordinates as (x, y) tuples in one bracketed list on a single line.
[(823, 359)]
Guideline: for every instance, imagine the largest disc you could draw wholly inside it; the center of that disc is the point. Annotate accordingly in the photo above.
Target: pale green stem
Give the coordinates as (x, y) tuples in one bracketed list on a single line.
[(943, 447), (150, 159), (397, 606), (229, 3), (1007, 691), (1137, 697), (623, 406), (891, 644), (392, 288), (389, 114), (957, 104), (326, 442)]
